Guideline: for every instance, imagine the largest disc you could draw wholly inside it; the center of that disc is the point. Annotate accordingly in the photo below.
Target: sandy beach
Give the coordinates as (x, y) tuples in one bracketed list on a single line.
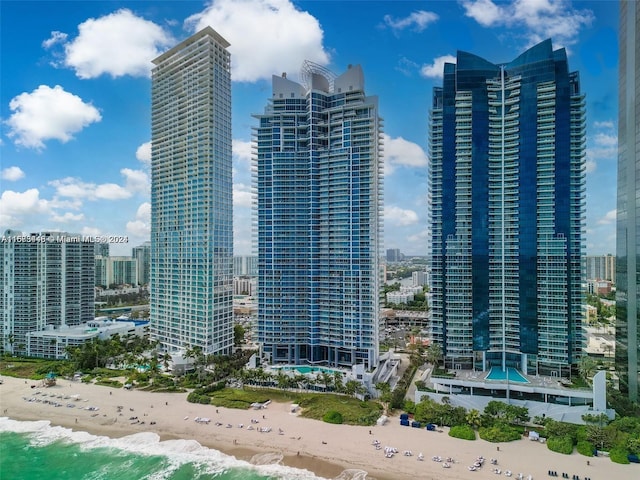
[(322, 448)]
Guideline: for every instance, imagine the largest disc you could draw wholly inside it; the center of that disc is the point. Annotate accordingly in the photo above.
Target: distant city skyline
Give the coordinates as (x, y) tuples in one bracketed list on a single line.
[(85, 167)]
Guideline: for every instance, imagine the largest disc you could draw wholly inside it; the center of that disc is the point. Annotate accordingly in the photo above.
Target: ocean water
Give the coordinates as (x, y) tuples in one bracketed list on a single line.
[(36, 450)]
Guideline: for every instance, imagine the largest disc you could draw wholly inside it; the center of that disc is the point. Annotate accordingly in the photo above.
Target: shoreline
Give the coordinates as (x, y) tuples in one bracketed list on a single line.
[(325, 449)]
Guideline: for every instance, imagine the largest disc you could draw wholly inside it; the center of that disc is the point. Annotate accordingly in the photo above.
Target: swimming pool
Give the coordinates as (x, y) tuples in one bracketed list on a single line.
[(304, 369), (497, 373)]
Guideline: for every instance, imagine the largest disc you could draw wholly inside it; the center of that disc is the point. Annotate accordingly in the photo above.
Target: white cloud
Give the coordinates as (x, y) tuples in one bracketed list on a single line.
[(14, 206), (590, 165), (399, 217), (242, 150), (601, 145), (242, 196), (537, 19), (485, 12), (421, 237), (12, 174), (144, 212), (56, 37), (401, 152), (141, 226), (111, 191), (606, 139), (436, 69), (143, 153), (610, 217), (73, 188), (48, 113), (91, 231), (117, 44), (419, 20), (136, 181), (67, 217), (266, 36)]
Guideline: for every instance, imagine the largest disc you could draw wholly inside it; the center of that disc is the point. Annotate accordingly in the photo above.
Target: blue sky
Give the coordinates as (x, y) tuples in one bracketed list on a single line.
[(75, 96)]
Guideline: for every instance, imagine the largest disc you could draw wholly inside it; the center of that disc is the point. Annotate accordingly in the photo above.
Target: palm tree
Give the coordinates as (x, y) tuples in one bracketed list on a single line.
[(385, 395), (434, 354), (586, 368), (166, 360), (337, 382), (351, 387), (153, 367), (326, 379), (473, 418)]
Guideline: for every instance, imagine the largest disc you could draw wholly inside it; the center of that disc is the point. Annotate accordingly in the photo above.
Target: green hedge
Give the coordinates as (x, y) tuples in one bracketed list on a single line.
[(619, 455), (332, 417), (585, 448), (462, 431), (499, 433), (560, 444), (194, 397)]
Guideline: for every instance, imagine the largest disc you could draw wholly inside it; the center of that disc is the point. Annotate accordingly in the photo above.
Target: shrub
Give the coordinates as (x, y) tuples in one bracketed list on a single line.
[(562, 444), (619, 455), (500, 432), (194, 397), (585, 448), (462, 431), (332, 417)]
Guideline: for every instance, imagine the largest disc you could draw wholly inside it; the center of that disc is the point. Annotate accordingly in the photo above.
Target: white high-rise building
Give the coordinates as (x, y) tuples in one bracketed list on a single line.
[(47, 280), (191, 196)]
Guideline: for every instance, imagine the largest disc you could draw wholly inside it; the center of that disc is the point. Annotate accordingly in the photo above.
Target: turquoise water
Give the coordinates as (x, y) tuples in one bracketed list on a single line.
[(499, 374), (304, 369), (37, 451)]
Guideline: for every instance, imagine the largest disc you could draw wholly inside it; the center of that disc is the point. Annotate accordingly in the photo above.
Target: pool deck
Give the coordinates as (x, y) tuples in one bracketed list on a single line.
[(547, 386), (511, 374)]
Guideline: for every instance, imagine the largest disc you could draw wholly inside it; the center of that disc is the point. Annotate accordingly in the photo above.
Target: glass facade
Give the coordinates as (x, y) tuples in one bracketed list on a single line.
[(191, 196), (507, 206), (628, 215), (319, 191)]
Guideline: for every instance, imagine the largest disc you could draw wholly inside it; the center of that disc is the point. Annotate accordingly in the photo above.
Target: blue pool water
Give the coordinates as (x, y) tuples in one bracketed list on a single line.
[(304, 369), (497, 373)]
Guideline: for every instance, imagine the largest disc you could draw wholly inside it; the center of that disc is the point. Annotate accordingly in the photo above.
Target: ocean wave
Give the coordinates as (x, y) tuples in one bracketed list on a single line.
[(266, 459), (176, 452), (353, 474)]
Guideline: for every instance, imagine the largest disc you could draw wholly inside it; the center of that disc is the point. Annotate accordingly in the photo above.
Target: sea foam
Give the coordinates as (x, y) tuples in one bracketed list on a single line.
[(176, 452)]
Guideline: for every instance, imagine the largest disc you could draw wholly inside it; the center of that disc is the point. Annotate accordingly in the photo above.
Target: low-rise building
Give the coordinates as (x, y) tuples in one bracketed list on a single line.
[(53, 342)]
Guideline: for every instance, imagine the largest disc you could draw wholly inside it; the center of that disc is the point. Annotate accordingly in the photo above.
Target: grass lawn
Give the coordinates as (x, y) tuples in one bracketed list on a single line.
[(354, 411), (314, 405), (23, 367), (235, 398)]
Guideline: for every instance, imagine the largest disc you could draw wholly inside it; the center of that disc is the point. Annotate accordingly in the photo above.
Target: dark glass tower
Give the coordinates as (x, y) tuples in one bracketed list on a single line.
[(628, 218), (507, 212)]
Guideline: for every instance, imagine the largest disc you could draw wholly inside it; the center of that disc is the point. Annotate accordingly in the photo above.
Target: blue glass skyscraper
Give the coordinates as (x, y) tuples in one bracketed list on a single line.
[(507, 189), (191, 196), (319, 192)]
